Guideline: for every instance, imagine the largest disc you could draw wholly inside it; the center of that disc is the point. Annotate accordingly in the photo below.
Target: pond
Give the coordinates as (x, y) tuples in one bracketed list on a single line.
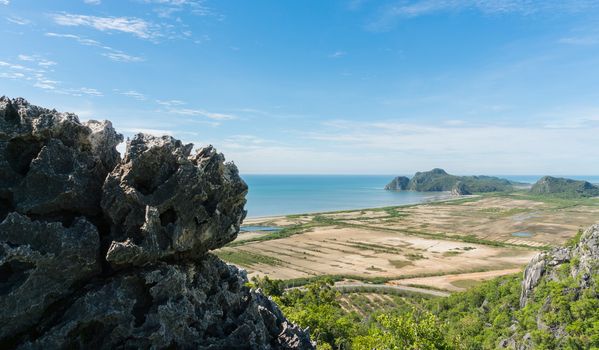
[(522, 234), (259, 228)]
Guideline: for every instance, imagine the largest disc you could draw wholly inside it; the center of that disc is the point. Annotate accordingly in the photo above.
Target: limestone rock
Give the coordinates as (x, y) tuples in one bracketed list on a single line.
[(162, 202), (41, 263), (99, 252), (399, 183), (545, 264), (201, 305)]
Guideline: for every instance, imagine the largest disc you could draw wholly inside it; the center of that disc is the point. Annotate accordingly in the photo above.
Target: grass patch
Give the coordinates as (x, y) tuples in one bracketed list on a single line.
[(415, 256), (452, 253), (247, 259), (398, 264), (466, 284)]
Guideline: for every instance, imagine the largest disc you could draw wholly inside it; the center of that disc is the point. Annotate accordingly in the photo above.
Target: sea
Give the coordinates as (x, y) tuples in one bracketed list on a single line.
[(273, 195)]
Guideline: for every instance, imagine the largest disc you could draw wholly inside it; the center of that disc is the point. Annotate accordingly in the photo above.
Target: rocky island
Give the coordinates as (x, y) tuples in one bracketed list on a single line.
[(102, 252), (439, 180), (557, 186)]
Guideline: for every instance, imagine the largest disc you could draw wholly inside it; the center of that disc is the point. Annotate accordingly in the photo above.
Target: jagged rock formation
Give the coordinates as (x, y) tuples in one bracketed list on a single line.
[(546, 265), (99, 252), (570, 273), (439, 180), (564, 187), (399, 183)]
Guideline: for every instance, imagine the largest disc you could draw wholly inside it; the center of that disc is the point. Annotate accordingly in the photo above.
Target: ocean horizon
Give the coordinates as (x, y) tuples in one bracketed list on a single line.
[(286, 194)]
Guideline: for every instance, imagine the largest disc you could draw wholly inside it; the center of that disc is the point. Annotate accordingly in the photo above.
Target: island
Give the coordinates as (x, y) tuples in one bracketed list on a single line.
[(439, 180), (558, 186)]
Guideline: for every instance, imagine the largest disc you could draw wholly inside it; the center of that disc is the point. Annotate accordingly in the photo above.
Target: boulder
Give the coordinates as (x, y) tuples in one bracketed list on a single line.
[(164, 203)]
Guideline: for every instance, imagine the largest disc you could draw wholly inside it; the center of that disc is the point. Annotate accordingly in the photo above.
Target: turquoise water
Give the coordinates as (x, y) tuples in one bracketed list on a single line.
[(271, 195), (251, 228)]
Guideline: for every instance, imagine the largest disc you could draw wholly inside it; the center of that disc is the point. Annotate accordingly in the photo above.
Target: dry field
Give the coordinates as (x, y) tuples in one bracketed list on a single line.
[(447, 245)]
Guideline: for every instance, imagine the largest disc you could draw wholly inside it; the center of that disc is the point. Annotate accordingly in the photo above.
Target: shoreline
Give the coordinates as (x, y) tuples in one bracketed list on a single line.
[(252, 220)]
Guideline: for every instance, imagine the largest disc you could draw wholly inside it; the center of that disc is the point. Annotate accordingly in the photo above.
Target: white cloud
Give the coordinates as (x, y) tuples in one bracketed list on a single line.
[(18, 20), (129, 25), (80, 40), (170, 103), (202, 113), (412, 9), (337, 54), (89, 91), (93, 2), (4, 2), (166, 8), (387, 145), (111, 53), (134, 94), (26, 58), (37, 59), (122, 57)]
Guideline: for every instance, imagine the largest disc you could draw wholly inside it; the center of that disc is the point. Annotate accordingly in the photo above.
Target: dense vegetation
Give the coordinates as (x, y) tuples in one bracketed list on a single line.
[(560, 314), (439, 180), (566, 188)]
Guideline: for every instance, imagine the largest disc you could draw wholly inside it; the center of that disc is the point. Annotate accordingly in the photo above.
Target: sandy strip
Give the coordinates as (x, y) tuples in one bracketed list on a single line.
[(444, 282)]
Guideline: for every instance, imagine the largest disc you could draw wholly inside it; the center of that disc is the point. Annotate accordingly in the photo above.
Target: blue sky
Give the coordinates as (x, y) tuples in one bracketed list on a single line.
[(354, 87)]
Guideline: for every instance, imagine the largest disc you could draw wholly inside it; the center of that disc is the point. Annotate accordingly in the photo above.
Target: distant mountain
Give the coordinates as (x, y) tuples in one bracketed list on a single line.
[(564, 187), (439, 180)]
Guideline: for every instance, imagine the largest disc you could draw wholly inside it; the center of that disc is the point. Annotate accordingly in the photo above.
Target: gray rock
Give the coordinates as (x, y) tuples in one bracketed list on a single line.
[(203, 305), (399, 183), (164, 203), (96, 252), (41, 263), (53, 167)]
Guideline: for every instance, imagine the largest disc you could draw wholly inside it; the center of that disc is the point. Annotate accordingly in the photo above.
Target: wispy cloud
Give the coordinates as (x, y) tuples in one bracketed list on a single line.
[(170, 103), (40, 61), (34, 70), (134, 94), (122, 57), (93, 2), (201, 113), (4, 2), (337, 54), (404, 10), (130, 25), (166, 8), (111, 53), (471, 147), (18, 20), (177, 107)]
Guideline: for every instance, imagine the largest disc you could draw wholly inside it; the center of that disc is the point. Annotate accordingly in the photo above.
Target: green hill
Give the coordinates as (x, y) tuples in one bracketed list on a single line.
[(440, 180), (564, 187)]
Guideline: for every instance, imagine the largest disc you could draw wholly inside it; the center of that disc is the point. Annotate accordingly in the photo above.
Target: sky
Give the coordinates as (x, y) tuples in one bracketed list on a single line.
[(324, 87)]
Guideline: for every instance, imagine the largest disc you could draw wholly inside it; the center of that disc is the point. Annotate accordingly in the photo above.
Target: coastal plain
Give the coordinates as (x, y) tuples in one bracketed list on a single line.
[(448, 245)]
